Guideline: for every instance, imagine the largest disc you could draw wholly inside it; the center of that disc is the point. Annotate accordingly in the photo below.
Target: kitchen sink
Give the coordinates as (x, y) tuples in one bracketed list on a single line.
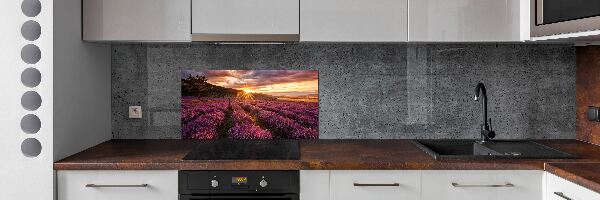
[(471, 149)]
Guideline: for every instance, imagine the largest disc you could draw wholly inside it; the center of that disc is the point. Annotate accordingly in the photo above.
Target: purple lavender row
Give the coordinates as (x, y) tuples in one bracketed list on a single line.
[(303, 108), (303, 119), (189, 114), (298, 108), (244, 127), (248, 131), (283, 126), (192, 109), (203, 127)]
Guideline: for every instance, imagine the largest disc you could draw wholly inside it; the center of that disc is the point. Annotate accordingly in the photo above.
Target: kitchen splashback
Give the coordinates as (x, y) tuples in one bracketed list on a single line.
[(249, 104), (368, 91)]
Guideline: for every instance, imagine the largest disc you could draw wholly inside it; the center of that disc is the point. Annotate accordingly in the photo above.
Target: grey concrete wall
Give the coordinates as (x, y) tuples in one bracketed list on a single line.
[(369, 90)]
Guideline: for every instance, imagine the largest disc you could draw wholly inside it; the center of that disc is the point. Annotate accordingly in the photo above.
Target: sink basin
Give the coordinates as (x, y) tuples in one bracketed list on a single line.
[(471, 149)]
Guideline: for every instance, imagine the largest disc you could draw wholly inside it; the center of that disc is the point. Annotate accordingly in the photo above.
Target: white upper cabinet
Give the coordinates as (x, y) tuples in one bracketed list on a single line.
[(307, 20), (468, 20), (354, 20), (136, 20), (245, 20)]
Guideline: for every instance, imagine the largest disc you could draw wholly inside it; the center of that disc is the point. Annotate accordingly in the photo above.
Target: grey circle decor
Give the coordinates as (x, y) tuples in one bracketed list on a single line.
[(31, 30), (31, 77), (30, 124), (31, 8), (31, 100), (31, 147), (31, 54)]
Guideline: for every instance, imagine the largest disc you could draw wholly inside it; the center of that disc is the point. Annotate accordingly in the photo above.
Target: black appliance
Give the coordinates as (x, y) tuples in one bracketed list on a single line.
[(551, 17), (554, 11), (245, 150), (234, 185)]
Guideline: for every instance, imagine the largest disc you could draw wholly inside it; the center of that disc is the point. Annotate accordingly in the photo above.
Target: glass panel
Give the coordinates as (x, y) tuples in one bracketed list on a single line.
[(564, 10)]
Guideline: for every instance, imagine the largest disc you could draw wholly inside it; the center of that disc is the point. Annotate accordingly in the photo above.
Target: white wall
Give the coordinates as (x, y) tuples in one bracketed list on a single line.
[(24, 177), (77, 74), (82, 89)]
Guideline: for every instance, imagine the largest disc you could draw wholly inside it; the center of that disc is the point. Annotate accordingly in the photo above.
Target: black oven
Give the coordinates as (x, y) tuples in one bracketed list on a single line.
[(234, 185), (551, 17)]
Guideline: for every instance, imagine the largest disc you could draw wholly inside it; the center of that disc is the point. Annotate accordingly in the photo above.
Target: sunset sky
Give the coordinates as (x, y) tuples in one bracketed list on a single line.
[(291, 83)]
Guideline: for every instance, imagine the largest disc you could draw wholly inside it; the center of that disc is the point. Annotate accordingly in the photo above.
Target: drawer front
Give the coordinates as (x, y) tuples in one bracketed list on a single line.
[(560, 189), (117, 185), (314, 184), (482, 185), (377, 185)]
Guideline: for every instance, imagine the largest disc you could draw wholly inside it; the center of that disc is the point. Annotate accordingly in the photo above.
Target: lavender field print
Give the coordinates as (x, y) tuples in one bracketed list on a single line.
[(249, 104)]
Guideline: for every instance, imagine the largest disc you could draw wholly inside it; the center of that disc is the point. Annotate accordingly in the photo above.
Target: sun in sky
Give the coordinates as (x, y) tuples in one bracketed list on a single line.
[(248, 90), (280, 83), (246, 94)]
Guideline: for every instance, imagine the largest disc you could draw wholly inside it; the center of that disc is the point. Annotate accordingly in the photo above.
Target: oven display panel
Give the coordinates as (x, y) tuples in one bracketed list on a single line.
[(239, 180)]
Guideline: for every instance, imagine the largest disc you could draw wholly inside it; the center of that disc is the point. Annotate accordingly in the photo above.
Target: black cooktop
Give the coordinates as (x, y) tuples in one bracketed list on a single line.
[(245, 150)]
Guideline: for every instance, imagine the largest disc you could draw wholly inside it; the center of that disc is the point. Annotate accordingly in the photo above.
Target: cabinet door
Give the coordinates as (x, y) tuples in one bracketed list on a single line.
[(374, 184), (468, 20), (314, 185), (561, 189), (482, 185), (117, 185), (245, 16), (136, 20), (353, 21)]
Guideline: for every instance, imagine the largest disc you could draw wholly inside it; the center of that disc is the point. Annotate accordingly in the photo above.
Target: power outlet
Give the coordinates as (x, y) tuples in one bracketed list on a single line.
[(135, 112)]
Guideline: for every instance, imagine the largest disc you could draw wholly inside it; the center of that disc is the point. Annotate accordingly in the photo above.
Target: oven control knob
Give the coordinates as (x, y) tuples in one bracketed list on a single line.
[(214, 183), (263, 183)]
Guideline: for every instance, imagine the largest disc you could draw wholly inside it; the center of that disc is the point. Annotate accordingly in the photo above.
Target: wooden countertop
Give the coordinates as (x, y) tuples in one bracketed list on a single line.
[(315, 154), (584, 174), (332, 155)]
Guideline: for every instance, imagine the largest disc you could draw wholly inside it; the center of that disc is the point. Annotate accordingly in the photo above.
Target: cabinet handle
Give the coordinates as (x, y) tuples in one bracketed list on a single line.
[(114, 186), (491, 185), (561, 195), (376, 184)]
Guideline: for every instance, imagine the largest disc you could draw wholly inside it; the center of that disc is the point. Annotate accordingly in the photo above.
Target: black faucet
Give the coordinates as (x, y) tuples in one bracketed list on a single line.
[(486, 129)]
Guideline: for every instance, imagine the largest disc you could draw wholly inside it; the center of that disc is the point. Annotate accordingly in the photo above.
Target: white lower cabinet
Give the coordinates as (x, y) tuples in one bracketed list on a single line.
[(375, 185), (422, 184), (560, 189), (482, 185), (314, 184), (117, 185), (341, 185)]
